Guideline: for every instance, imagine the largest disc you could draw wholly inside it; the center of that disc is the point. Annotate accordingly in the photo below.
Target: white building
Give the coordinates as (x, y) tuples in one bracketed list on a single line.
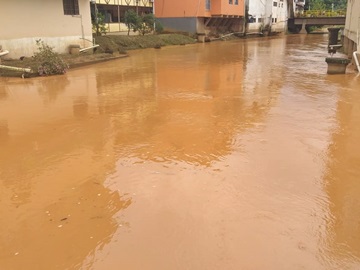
[(352, 27), (299, 6), (58, 23), (267, 15)]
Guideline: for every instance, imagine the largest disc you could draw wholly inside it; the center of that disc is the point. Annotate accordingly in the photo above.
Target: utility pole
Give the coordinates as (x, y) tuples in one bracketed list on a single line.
[(153, 7)]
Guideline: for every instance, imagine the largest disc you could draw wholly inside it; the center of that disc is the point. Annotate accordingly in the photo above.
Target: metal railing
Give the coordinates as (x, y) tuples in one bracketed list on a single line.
[(140, 3), (321, 13)]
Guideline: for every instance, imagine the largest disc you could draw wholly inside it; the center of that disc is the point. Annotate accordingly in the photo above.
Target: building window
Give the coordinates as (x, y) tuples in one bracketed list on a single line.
[(275, 4), (71, 7), (208, 4), (260, 20), (230, 2), (236, 2)]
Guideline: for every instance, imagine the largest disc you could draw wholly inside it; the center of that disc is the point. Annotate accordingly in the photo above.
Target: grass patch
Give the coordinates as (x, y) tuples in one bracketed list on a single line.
[(118, 43)]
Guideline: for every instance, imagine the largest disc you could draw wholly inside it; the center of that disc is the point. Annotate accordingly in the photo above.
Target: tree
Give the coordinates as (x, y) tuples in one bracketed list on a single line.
[(98, 24), (132, 20), (338, 4), (317, 5), (326, 4), (146, 24)]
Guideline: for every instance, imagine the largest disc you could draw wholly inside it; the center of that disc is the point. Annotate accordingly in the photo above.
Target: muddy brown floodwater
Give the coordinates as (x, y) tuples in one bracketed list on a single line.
[(230, 155)]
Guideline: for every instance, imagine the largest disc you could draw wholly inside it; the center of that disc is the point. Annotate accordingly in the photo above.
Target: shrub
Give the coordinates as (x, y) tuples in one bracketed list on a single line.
[(50, 62), (146, 24), (159, 28), (98, 24)]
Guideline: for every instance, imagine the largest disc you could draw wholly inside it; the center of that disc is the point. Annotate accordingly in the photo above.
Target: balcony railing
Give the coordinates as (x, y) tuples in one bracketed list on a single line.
[(140, 3)]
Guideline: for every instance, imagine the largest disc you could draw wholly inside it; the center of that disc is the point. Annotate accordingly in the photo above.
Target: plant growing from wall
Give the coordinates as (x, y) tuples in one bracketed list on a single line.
[(98, 24), (49, 62)]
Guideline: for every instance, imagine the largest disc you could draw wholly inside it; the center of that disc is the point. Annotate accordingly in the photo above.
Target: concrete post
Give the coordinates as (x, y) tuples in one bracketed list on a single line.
[(333, 35), (303, 28)]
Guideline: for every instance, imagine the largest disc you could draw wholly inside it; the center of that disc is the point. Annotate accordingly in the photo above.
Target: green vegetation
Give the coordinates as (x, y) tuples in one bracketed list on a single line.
[(144, 24), (317, 4), (159, 28), (121, 43), (48, 62), (326, 4), (98, 24), (131, 20)]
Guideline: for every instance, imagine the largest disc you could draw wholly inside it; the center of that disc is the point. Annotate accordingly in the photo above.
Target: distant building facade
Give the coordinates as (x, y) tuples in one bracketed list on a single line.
[(201, 16), (114, 11), (269, 15), (299, 6)]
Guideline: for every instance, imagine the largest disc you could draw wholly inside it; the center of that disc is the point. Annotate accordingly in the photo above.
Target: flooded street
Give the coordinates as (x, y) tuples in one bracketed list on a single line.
[(230, 155)]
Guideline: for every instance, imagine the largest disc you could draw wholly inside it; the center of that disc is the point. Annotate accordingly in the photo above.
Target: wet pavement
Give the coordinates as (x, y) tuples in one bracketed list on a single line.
[(230, 155)]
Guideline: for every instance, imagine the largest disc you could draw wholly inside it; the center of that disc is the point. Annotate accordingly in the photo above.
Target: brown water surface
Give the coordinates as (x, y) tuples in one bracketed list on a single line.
[(230, 155)]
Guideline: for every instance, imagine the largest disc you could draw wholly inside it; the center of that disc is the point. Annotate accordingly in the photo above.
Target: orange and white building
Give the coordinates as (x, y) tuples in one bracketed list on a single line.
[(201, 16)]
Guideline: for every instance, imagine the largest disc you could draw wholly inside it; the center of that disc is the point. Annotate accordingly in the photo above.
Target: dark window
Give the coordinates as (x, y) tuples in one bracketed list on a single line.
[(230, 2), (236, 2), (208, 4), (71, 7), (275, 4)]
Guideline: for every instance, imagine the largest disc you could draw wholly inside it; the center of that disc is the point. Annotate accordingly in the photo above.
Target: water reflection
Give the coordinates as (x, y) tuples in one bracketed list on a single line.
[(3, 92), (165, 110), (80, 107), (342, 178), (4, 131), (220, 145), (63, 231), (55, 207), (51, 88)]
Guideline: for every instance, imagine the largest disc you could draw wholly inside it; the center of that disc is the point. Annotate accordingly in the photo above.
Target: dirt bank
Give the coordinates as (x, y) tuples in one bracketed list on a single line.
[(111, 47)]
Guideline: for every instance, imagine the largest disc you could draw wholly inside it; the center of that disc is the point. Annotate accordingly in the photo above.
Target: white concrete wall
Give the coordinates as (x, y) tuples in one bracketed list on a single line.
[(265, 9), (279, 16), (257, 10), (352, 26), (22, 22)]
